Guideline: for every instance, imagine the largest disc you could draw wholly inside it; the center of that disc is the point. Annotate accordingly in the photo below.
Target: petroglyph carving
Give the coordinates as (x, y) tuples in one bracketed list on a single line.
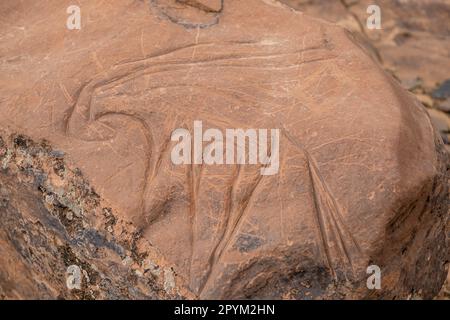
[(359, 163)]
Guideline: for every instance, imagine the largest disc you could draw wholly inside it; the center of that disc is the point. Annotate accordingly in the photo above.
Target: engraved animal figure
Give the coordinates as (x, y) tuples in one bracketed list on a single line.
[(220, 202)]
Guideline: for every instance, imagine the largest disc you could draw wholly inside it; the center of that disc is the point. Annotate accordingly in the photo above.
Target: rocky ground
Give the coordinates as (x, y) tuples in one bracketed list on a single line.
[(413, 45)]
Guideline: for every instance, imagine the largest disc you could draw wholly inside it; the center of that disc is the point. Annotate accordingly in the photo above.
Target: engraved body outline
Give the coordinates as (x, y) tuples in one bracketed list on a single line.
[(129, 70)]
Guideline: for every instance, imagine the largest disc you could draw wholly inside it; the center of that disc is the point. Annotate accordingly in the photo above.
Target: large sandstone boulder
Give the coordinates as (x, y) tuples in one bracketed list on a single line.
[(362, 177)]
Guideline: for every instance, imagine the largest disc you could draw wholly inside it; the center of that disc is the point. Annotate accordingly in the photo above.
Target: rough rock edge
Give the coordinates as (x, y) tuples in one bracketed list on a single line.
[(85, 222)]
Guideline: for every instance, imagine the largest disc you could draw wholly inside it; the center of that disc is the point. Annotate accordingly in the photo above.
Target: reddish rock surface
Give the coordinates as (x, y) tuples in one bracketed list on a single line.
[(362, 179), (413, 44)]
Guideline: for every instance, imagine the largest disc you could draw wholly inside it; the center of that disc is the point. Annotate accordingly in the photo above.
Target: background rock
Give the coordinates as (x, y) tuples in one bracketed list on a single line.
[(413, 44)]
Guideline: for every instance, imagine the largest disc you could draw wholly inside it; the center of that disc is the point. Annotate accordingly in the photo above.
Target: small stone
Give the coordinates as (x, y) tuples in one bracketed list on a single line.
[(444, 106), (443, 92), (440, 120), (425, 99), (412, 84)]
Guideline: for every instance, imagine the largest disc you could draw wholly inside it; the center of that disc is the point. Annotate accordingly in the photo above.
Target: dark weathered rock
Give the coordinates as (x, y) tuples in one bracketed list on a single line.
[(362, 178), (51, 219), (444, 106), (413, 39), (443, 92)]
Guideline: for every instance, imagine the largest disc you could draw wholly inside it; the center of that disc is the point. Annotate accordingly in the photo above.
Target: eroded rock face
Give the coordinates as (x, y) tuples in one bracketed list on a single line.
[(362, 177), (52, 221), (413, 41)]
